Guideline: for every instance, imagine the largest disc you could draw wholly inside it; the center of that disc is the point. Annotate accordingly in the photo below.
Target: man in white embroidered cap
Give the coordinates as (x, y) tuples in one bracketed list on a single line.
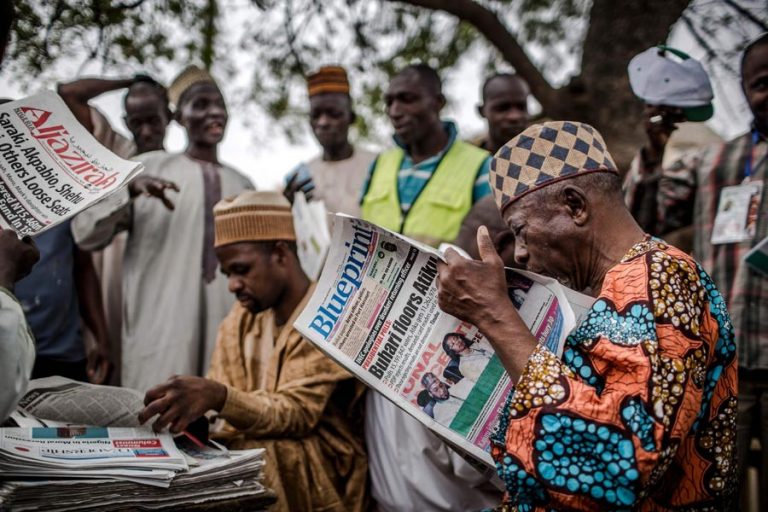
[(173, 296), (640, 411)]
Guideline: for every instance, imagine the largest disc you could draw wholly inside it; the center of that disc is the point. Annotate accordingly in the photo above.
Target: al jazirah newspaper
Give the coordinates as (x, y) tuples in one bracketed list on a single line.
[(50, 166), (375, 312)]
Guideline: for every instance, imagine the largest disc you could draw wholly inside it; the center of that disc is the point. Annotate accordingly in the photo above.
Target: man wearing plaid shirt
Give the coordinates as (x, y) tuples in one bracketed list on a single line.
[(689, 194)]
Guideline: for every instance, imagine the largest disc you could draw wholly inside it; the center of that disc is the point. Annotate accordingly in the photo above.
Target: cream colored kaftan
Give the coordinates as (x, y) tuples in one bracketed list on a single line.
[(284, 395), (17, 353), (170, 314)]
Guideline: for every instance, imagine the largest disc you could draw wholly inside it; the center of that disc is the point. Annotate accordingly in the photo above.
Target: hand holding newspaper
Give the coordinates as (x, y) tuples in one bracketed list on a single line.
[(375, 312), (50, 166)]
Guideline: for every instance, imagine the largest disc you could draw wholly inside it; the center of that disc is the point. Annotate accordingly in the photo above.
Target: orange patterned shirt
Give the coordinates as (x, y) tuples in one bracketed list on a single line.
[(640, 413)]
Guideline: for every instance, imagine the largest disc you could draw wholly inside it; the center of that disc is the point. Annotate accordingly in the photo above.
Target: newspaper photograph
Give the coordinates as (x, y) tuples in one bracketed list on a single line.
[(375, 312), (50, 166)]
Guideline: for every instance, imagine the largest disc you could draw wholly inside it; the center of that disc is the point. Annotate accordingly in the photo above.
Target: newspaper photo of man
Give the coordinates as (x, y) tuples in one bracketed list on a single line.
[(446, 400), (468, 358)]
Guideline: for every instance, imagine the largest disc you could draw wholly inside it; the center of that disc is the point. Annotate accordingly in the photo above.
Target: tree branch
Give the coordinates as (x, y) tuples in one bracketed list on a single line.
[(747, 14), (128, 5), (711, 53), (491, 27)]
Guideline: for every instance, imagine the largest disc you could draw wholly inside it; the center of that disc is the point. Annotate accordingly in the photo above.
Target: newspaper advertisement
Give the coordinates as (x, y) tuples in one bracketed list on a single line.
[(56, 401), (375, 311), (50, 166)]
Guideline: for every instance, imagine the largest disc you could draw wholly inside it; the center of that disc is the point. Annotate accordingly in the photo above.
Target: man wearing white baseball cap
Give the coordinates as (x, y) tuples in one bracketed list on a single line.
[(720, 192), (675, 88)]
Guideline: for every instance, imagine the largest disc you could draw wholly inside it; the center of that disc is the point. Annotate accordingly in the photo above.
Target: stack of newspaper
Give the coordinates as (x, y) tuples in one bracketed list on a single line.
[(57, 464), (214, 478)]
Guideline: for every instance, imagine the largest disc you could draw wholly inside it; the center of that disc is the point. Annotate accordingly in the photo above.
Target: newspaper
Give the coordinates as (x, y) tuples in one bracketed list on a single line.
[(310, 221), (50, 166), (375, 312), (57, 401), (215, 476)]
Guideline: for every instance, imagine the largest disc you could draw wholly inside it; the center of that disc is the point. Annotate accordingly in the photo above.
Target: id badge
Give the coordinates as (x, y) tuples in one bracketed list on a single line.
[(737, 213)]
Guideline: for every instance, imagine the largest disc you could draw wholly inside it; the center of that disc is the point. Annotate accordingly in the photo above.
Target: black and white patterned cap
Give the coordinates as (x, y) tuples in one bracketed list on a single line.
[(544, 154)]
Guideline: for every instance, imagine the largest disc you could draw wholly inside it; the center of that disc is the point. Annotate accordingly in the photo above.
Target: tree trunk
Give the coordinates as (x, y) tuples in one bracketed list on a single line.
[(617, 32)]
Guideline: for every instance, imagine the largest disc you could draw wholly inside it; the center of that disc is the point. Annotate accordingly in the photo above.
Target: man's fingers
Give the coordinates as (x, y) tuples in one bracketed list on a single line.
[(171, 185), (166, 202), (452, 256), (485, 246), (156, 407), (169, 416), (156, 393)]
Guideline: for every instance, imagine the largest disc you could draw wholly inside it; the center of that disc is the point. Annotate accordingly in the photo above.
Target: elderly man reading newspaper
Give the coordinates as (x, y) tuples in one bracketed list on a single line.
[(640, 412)]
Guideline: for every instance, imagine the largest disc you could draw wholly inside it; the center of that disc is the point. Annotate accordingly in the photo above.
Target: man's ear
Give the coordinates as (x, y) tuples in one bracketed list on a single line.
[(282, 252), (352, 117), (441, 101), (575, 201), (480, 110)]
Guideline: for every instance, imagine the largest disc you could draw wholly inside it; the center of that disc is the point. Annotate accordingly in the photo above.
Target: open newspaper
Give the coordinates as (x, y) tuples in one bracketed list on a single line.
[(50, 166), (375, 312), (57, 402)]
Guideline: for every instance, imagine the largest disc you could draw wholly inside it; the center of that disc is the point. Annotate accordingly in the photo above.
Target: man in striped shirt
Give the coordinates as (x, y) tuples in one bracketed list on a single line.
[(423, 188), (689, 194)]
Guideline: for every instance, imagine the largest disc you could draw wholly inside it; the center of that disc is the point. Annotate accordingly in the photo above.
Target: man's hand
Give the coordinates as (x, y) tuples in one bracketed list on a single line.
[(17, 257), (98, 366), (295, 185), (473, 290), (660, 122), (151, 186), (476, 292), (181, 400)]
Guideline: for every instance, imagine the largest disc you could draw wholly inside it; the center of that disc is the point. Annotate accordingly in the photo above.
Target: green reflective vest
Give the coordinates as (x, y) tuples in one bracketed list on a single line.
[(438, 211)]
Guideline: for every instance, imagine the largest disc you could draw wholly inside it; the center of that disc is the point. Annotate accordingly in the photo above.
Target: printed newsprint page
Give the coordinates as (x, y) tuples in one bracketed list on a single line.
[(57, 401), (50, 166), (375, 312)]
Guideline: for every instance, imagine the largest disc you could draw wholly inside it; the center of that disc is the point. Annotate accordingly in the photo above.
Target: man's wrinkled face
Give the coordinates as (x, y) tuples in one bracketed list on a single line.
[(412, 107), (505, 107), (438, 389), (252, 275), (330, 116), (203, 114), (755, 84), (457, 344), (543, 232), (147, 118)]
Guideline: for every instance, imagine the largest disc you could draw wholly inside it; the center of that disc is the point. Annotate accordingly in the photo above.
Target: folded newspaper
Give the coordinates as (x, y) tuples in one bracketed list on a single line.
[(50, 166), (375, 312), (78, 446)]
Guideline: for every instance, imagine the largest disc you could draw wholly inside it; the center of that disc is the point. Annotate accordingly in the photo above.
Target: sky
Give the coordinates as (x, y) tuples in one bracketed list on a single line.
[(264, 154)]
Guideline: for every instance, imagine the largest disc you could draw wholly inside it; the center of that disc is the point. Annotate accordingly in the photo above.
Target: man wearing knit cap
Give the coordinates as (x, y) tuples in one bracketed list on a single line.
[(173, 296), (270, 387), (336, 176), (640, 412)]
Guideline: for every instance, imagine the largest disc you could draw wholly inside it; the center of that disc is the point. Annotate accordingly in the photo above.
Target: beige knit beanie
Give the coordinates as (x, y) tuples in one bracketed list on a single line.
[(253, 217)]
